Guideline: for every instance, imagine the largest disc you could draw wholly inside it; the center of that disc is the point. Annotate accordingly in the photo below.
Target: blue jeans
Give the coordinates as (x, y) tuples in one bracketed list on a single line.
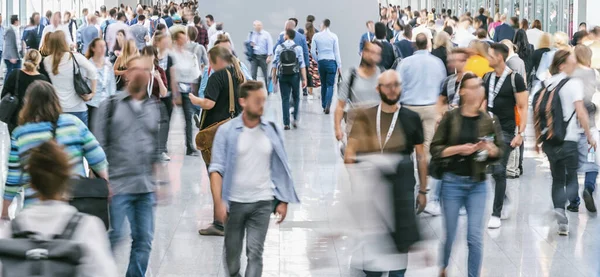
[(396, 273), (11, 66), (459, 191), (83, 116), (589, 168), (289, 84), (139, 210), (327, 71)]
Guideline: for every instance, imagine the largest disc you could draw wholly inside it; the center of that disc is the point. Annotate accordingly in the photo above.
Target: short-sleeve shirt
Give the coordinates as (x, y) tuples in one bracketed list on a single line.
[(363, 91), (505, 101), (217, 90)]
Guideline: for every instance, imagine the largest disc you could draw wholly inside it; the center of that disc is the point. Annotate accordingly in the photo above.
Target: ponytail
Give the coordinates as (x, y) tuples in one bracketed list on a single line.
[(239, 74)]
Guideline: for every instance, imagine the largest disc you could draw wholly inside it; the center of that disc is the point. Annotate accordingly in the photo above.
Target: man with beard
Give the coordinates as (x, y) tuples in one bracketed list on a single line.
[(250, 174)]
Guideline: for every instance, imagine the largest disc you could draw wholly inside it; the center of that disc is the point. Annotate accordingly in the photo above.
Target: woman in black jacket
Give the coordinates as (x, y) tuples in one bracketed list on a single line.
[(524, 49)]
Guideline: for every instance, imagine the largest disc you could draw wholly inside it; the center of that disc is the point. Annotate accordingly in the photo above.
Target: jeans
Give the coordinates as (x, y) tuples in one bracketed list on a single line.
[(327, 71), (589, 168), (395, 273), (139, 210), (260, 61), (459, 191), (188, 112), (83, 116), (563, 166), (499, 175), (166, 111), (10, 67), (252, 220), (289, 84)]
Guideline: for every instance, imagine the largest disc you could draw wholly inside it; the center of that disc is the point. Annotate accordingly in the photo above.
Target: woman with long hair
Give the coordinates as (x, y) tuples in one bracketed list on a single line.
[(465, 142), (441, 47), (19, 80), (313, 79), (492, 26), (41, 120), (156, 87), (524, 49), (49, 170), (60, 65), (129, 51), (544, 45), (106, 85), (119, 45)]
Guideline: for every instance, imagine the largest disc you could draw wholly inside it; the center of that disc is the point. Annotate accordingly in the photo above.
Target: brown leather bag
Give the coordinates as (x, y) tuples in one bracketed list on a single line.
[(204, 139)]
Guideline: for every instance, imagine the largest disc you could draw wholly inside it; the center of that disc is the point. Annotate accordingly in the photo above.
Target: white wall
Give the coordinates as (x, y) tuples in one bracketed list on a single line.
[(348, 18), (593, 6)]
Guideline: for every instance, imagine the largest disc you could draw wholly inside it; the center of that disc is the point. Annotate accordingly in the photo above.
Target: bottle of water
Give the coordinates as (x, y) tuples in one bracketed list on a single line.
[(591, 157)]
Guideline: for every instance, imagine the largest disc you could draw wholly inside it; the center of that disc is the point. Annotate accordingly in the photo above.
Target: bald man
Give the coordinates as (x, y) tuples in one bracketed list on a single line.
[(261, 43), (299, 40)]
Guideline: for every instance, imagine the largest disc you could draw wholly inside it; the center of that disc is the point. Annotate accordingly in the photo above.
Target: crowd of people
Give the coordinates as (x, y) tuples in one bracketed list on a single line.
[(93, 96)]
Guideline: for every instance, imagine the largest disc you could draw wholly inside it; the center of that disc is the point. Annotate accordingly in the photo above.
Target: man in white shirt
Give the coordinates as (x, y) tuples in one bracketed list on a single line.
[(535, 33), (212, 39), (112, 29), (212, 27), (463, 37), (55, 26)]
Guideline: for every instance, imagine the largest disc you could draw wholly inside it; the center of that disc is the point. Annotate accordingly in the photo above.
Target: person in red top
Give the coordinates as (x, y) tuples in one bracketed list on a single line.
[(156, 86), (202, 37)]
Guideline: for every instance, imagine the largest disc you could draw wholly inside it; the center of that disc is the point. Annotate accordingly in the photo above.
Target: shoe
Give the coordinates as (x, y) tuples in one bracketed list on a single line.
[(561, 216), (494, 223), (165, 157), (305, 93), (327, 111), (506, 211), (197, 120), (462, 211), (573, 208), (563, 229), (295, 124), (211, 231), (286, 127), (192, 153), (433, 208), (588, 198)]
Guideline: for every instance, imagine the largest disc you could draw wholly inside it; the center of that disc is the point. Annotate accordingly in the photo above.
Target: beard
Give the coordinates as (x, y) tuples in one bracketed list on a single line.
[(253, 115), (389, 101)]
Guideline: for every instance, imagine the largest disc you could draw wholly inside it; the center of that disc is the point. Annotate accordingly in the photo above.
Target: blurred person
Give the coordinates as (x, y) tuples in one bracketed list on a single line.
[(483, 18), (299, 40), (506, 93), (326, 50), (212, 27), (138, 11), (449, 97), (462, 36), (543, 46), (580, 34), (56, 25), (60, 67), (478, 62), (482, 35), (405, 47), (162, 42), (157, 86), (32, 34), (514, 62), (441, 47), (154, 21), (388, 55), (87, 34), (112, 14), (312, 74), (42, 120), (134, 121), (563, 157), (514, 22), (250, 173), (421, 94), (106, 85), (594, 45), (49, 168), (497, 22), (19, 80), (524, 49), (534, 33), (422, 29), (83, 20), (524, 25), (202, 37), (262, 45), (120, 67), (112, 29), (167, 17), (219, 31), (367, 37), (466, 141), (504, 30), (309, 19), (140, 33), (12, 48), (119, 46), (70, 24), (199, 51), (561, 42)]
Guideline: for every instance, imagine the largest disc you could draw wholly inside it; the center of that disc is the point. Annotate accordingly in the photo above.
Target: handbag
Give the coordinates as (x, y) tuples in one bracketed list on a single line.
[(9, 104), (81, 86), (204, 138)]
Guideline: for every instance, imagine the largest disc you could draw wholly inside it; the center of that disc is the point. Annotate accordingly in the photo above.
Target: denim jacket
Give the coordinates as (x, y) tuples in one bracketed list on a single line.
[(224, 156)]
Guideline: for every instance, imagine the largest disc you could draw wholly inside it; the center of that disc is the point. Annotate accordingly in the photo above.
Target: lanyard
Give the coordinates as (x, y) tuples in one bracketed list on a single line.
[(390, 130), (495, 87), (151, 83), (368, 36)]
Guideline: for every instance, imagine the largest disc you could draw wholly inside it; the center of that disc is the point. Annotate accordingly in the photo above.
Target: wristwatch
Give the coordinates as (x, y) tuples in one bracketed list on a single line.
[(522, 134)]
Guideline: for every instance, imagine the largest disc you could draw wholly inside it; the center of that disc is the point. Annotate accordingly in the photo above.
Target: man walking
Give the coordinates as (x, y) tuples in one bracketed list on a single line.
[(367, 37), (127, 129), (249, 171), (88, 33), (326, 50), (32, 35), (12, 50), (140, 32), (262, 45)]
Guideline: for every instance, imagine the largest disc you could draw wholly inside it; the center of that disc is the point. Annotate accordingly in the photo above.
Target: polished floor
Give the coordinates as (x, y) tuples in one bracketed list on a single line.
[(526, 245)]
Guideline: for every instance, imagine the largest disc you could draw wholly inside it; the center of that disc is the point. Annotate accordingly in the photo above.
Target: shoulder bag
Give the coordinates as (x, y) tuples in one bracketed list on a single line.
[(81, 86), (10, 103), (204, 138)]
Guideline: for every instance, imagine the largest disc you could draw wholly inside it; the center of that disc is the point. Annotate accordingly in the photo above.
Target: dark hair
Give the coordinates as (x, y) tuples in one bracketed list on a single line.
[(522, 43), (295, 20), (421, 41), (501, 49), (291, 34), (41, 104), (407, 31), (309, 30), (49, 168), (380, 30), (249, 86), (173, 11), (524, 24), (449, 11), (560, 57), (467, 76), (210, 17), (14, 18), (449, 30), (112, 12), (160, 26), (90, 52), (416, 14), (537, 24), (582, 24), (192, 32), (150, 51), (481, 10), (310, 18), (197, 19), (103, 8), (327, 23), (481, 33), (141, 17), (515, 22), (165, 11), (219, 26), (369, 22), (121, 15), (32, 18), (49, 13)]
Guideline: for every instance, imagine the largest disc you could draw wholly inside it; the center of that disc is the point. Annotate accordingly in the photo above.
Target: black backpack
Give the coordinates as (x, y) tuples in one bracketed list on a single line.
[(31, 41), (548, 115), (288, 62), (26, 253)]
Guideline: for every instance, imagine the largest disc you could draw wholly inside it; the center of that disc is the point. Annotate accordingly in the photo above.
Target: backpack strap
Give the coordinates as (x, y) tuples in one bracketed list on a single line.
[(112, 105), (351, 83), (69, 230), (512, 82)]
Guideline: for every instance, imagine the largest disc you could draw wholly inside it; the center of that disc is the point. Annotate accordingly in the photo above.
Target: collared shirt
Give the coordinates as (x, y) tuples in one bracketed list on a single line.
[(300, 39), (51, 28), (417, 90), (297, 49), (106, 84), (368, 36), (263, 42), (225, 155), (326, 46), (212, 30), (86, 34)]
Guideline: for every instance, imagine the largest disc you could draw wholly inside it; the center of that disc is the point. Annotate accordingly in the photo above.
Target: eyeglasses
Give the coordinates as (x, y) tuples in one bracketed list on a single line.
[(391, 86)]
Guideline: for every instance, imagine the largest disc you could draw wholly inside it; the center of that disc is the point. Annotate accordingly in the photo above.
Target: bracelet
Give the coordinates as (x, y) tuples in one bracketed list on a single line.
[(423, 192)]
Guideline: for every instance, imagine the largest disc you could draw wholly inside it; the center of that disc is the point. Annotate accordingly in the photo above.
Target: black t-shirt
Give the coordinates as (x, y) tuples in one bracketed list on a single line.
[(217, 89), (10, 86), (505, 101), (462, 165)]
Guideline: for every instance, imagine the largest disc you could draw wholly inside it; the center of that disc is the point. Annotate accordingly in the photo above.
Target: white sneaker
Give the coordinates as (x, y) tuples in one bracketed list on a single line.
[(563, 229), (494, 223), (433, 208), (165, 157), (463, 211)]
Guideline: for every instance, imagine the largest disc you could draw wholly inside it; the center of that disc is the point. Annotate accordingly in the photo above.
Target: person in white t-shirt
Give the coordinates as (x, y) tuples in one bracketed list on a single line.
[(55, 26)]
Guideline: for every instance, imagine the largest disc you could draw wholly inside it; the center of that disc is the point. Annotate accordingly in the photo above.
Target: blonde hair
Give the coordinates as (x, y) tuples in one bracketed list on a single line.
[(545, 41), (32, 60), (442, 39), (496, 17), (176, 30), (480, 48), (125, 54), (44, 49), (561, 41), (583, 54), (57, 47)]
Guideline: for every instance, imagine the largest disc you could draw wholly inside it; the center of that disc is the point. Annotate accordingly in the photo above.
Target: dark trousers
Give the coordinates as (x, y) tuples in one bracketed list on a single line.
[(188, 112), (166, 110), (260, 61), (499, 175), (396, 273), (289, 84), (10, 67), (327, 71), (91, 117), (563, 161)]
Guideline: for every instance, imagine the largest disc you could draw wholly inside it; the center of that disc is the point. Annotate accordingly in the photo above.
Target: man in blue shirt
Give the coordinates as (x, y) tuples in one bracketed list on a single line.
[(112, 14), (299, 39), (88, 33), (289, 77), (326, 50), (368, 36), (32, 35), (262, 45), (1, 36)]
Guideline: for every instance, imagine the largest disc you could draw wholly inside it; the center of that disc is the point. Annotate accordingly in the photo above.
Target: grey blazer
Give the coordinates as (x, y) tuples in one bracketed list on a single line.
[(11, 51)]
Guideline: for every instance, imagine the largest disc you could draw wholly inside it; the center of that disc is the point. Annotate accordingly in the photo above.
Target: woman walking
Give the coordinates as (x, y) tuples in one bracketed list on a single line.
[(313, 69), (106, 84)]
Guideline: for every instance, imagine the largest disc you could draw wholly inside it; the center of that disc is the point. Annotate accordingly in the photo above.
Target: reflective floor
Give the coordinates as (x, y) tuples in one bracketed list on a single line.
[(526, 245)]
